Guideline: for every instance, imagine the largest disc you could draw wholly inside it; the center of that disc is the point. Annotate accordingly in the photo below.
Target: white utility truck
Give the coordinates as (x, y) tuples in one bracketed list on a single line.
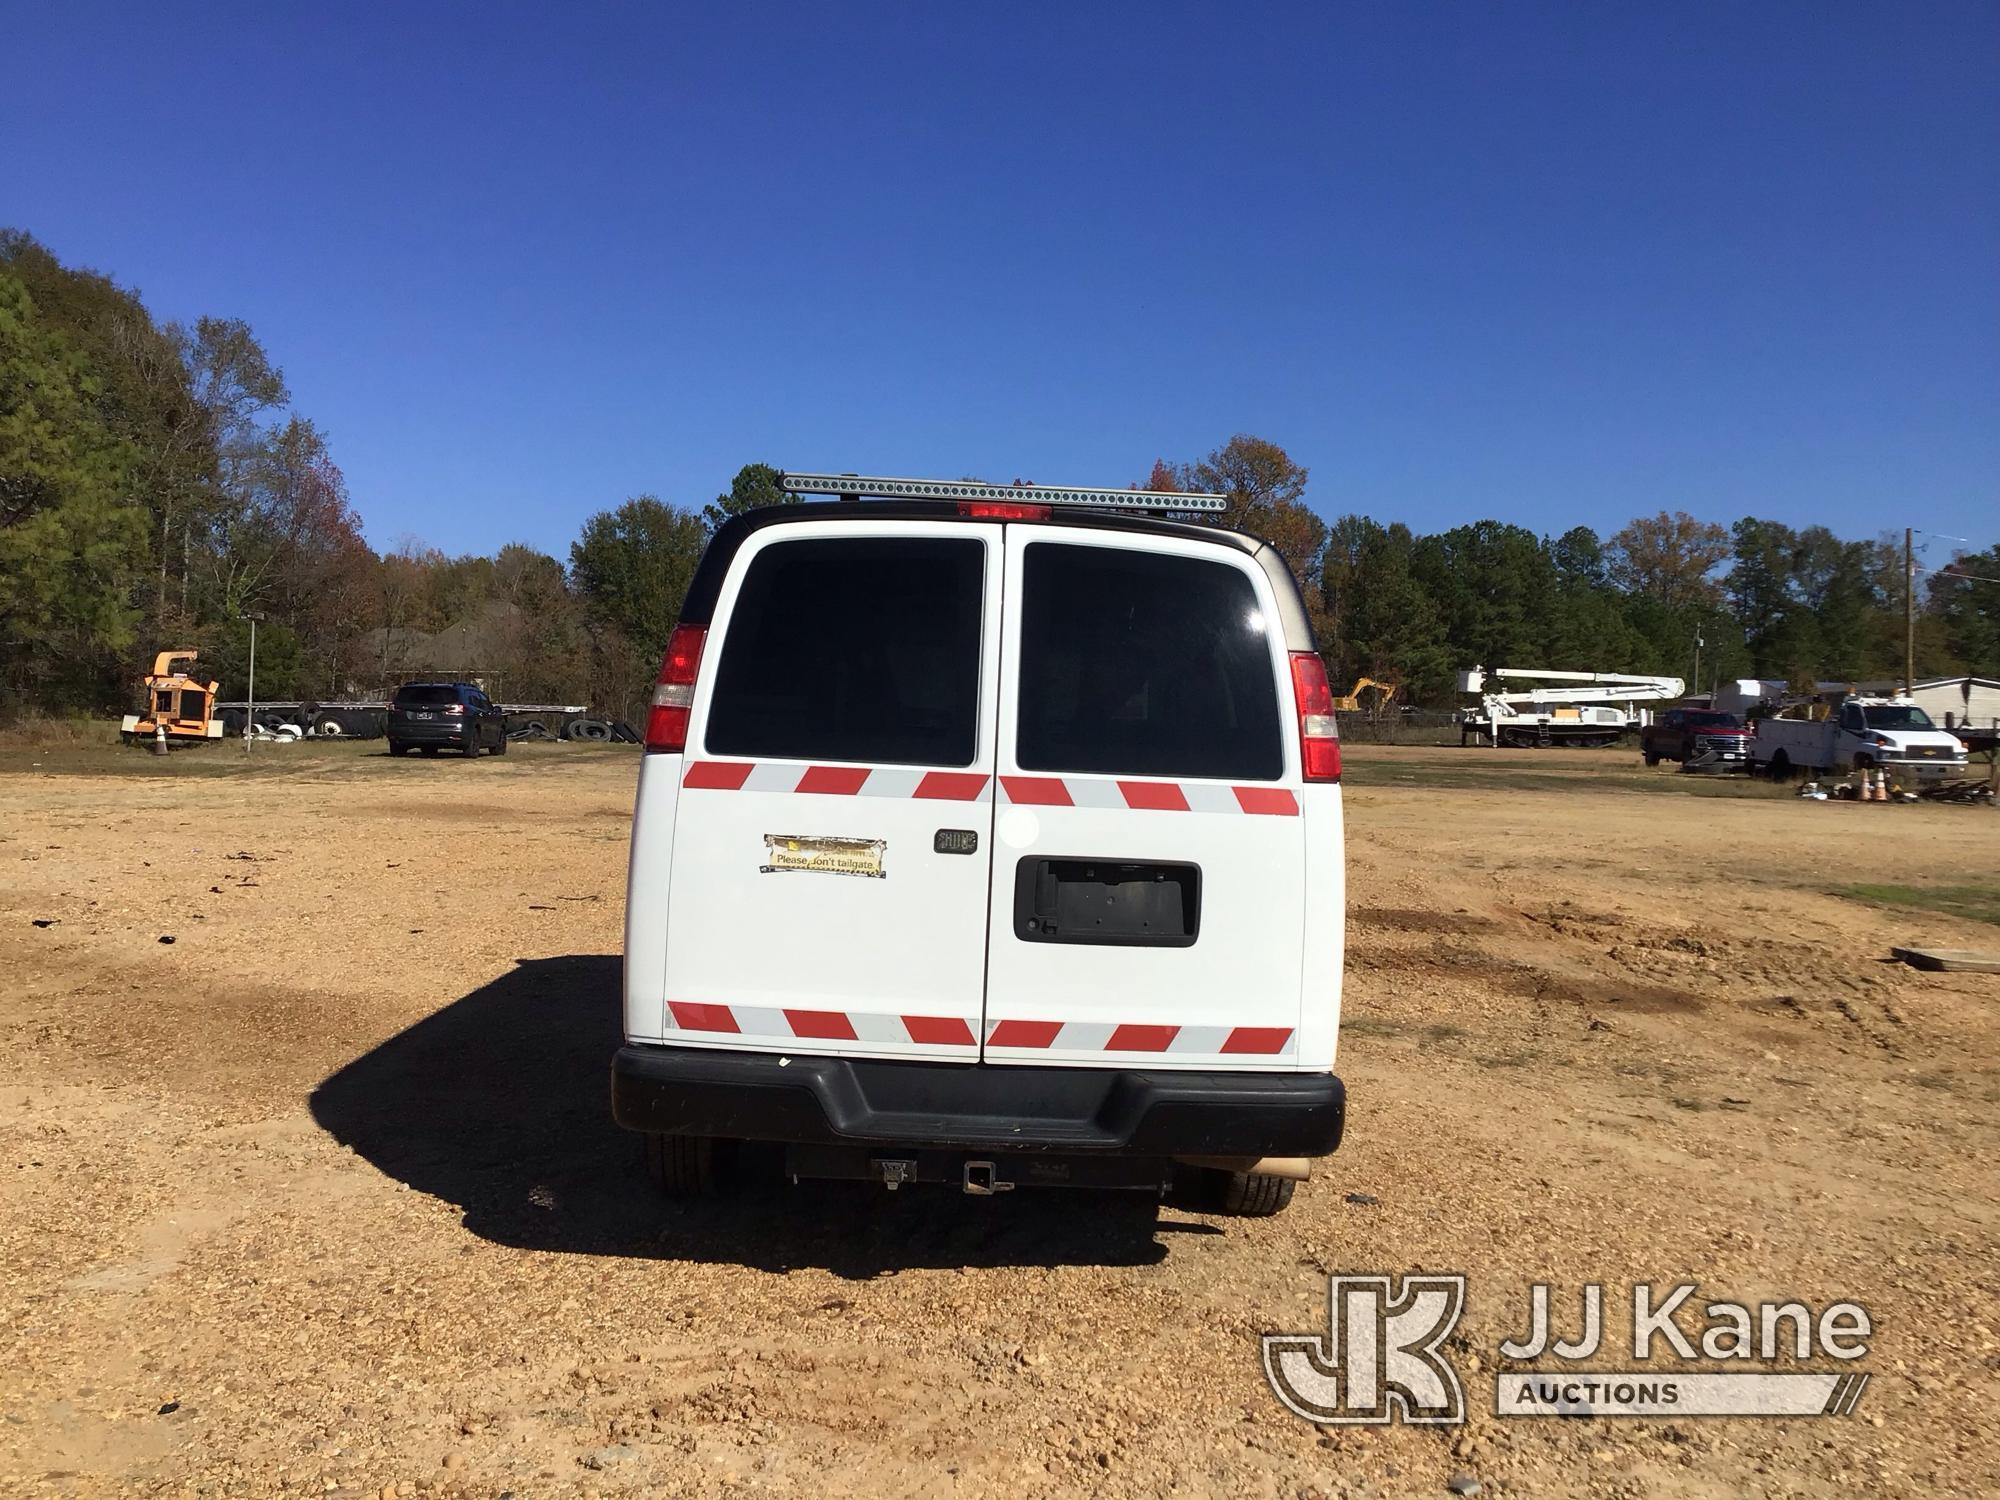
[(1859, 734), (987, 835), (1588, 709)]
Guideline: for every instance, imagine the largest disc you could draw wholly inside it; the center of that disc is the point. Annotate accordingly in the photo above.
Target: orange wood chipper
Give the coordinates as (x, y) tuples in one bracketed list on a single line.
[(175, 703)]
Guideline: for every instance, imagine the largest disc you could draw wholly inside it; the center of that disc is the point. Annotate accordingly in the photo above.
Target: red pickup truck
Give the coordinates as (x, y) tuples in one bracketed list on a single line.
[(1695, 737)]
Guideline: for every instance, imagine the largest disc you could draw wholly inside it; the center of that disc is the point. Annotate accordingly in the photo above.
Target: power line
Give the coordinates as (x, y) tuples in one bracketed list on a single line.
[(1948, 571)]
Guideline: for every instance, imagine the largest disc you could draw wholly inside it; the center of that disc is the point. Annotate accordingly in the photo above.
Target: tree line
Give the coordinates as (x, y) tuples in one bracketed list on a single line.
[(158, 489), (1762, 598)]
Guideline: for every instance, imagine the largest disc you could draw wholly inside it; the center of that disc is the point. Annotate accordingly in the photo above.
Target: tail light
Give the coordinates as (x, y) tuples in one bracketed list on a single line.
[(1003, 510), (1319, 736), (453, 708), (673, 697)]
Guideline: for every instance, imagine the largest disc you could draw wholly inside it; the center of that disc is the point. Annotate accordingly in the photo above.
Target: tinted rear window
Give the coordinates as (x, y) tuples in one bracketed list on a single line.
[(856, 649), (422, 693), (1147, 664)]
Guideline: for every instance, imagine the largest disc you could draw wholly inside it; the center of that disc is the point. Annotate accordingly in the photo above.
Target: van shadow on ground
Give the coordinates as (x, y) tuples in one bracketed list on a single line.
[(500, 1103)]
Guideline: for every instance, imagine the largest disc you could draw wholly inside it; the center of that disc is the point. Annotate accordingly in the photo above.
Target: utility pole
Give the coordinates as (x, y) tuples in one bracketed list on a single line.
[(1909, 612), (1697, 662), (250, 717)]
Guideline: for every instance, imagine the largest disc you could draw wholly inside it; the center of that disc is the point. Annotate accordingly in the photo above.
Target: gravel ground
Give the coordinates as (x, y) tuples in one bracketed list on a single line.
[(321, 1197)]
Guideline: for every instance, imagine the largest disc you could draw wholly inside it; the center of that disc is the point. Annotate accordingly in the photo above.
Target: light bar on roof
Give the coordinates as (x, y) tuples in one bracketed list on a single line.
[(856, 485)]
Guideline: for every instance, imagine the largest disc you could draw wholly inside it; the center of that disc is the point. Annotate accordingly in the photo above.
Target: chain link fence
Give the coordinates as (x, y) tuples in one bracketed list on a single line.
[(1420, 726)]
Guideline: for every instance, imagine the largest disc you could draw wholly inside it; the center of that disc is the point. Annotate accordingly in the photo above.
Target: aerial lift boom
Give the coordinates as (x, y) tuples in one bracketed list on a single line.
[(1592, 708)]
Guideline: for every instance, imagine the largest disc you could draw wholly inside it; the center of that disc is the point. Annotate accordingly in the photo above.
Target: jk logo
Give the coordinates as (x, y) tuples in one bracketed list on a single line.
[(1379, 1358)]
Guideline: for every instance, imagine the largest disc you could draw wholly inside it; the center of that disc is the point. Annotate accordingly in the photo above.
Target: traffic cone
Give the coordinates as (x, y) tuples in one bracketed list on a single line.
[(159, 739)]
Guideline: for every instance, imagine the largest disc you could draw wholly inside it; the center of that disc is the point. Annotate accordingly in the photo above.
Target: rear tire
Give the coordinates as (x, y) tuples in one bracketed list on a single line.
[(396, 749), (1247, 1195), (1781, 768), (1254, 1195), (472, 745), (500, 748), (1651, 758), (684, 1166)]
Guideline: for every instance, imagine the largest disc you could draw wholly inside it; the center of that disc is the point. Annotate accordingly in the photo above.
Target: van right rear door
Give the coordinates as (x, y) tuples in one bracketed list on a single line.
[(1149, 874)]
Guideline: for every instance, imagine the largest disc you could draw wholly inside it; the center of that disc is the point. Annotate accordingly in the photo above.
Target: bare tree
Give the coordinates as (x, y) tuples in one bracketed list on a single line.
[(1669, 557)]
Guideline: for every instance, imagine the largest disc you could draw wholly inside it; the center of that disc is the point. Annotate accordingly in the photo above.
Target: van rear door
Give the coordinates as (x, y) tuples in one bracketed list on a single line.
[(1149, 879), (832, 829)]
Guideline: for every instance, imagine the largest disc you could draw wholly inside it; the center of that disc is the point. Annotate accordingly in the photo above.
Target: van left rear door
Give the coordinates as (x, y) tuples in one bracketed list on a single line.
[(832, 832)]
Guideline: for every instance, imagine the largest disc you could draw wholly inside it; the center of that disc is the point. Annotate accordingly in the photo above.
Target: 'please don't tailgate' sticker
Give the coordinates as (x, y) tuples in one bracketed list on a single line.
[(822, 855)]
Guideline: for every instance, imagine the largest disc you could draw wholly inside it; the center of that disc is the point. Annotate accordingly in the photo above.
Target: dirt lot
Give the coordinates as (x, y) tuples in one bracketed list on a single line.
[(321, 1197)]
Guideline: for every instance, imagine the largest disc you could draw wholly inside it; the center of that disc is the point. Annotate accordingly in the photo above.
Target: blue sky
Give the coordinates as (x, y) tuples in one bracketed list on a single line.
[(1551, 264)]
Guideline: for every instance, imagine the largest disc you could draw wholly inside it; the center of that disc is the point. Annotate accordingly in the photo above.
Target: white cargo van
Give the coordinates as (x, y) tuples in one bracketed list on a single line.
[(992, 836)]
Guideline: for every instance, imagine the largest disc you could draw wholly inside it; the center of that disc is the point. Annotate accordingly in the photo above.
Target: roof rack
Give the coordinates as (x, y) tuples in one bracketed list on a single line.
[(854, 486)]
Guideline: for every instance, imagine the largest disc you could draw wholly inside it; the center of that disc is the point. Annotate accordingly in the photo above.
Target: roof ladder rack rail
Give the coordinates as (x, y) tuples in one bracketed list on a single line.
[(854, 486)]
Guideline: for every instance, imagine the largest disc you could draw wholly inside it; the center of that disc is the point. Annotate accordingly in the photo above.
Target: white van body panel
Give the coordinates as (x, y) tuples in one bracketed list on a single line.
[(648, 889), (763, 958), (1322, 824)]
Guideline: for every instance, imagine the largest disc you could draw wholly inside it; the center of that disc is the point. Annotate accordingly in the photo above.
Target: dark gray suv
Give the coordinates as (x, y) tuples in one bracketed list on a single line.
[(433, 716)]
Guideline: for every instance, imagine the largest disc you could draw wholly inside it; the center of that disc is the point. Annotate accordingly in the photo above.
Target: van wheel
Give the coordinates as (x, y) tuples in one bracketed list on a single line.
[(1248, 1195), (683, 1166), (1253, 1195)]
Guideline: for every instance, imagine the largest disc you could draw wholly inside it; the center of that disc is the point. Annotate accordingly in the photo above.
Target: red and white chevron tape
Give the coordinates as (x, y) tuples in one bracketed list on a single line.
[(957, 1031), (1108, 1036), (1110, 795), (821, 1025), (832, 781), (1101, 793)]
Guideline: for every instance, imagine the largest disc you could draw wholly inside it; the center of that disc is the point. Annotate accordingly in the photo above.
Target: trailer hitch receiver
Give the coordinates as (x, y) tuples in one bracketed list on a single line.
[(983, 1180)]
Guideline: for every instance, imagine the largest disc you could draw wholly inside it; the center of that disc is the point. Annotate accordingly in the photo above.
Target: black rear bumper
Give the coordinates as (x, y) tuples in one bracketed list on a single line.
[(450, 732), (761, 1096)]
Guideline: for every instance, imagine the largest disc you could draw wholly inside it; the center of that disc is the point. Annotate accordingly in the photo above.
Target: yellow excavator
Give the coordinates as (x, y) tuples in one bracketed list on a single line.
[(1385, 691), (176, 704)]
